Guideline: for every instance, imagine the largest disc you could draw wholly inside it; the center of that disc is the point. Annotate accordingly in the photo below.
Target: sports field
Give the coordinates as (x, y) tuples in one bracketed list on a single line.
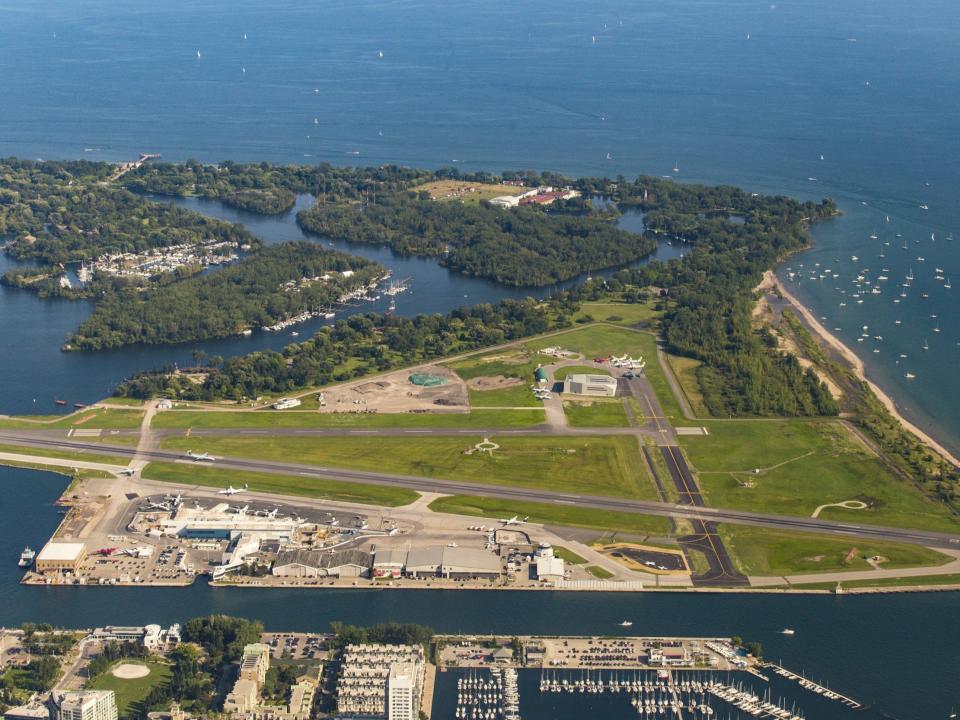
[(131, 691)]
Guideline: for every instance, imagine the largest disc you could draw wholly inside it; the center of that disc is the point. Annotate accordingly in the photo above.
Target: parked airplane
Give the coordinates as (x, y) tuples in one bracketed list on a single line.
[(129, 472), (515, 520), (231, 490), (241, 510), (200, 457), (174, 500), (267, 513)]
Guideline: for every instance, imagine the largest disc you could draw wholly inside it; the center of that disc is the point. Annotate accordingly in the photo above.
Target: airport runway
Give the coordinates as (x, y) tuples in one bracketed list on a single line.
[(704, 538), (423, 484)]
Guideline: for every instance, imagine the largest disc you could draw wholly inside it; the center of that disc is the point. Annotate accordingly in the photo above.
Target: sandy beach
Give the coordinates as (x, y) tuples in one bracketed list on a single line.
[(770, 280)]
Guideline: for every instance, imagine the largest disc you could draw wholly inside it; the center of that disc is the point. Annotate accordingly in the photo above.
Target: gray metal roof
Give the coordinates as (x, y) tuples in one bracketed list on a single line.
[(323, 558)]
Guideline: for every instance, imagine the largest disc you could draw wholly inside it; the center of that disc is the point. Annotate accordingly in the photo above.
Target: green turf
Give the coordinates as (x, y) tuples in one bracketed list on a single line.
[(183, 419), (599, 465), (804, 464), (130, 692), (554, 514), (280, 484), (599, 572), (763, 551), (64, 454), (596, 412), (568, 555), (620, 313), (905, 582), (94, 418), (516, 396), (685, 371)]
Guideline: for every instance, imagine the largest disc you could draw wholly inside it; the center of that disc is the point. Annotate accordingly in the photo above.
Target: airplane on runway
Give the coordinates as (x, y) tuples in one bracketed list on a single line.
[(515, 520), (200, 457), (129, 472), (231, 490)]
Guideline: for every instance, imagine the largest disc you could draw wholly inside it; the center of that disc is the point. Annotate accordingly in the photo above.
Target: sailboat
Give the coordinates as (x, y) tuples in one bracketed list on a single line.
[(926, 345), (676, 168), (198, 54)]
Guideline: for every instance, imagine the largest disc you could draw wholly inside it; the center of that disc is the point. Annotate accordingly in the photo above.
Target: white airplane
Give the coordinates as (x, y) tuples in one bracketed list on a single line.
[(231, 490), (515, 520), (174, 500), (200, 457), (241, 510), (268, 514), (129, 472)]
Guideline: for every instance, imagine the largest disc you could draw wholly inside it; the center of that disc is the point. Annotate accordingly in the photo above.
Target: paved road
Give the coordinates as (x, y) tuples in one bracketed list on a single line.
[(423, 484)]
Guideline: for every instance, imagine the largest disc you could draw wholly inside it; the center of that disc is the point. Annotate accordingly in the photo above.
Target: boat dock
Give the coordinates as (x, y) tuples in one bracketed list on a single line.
[(814, 687)]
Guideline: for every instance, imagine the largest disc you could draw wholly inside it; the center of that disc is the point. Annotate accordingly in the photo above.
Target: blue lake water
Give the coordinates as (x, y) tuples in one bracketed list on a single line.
[(747, 92)]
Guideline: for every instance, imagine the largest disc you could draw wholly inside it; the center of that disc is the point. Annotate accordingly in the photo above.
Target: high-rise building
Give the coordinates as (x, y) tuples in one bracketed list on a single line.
[(403, 692), (86, 705)]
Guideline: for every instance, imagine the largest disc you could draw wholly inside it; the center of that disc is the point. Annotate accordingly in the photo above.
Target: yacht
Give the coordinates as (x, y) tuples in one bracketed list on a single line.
[(788, 631), (26, 557), (909, 376), (626, 623)]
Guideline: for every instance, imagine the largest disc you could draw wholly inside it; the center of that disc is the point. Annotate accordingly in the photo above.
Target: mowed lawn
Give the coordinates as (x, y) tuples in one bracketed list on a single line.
[(549, 514), (184, 419), (762, 551), (211, 476), (598, 465), (130, 692), (596, 412), (94, 418), (802, 465)]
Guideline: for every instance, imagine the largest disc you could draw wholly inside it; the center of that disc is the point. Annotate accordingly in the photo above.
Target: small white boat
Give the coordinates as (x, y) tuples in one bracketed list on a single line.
[(26, 557), (788, 631), (909, 376), (626, 623)]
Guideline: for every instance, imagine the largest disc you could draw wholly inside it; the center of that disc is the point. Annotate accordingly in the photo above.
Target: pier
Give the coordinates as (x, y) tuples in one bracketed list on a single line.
[(124, 168), (814, 687)]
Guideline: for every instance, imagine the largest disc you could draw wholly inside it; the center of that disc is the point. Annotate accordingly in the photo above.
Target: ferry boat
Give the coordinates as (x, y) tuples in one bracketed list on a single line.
[(26, 557)]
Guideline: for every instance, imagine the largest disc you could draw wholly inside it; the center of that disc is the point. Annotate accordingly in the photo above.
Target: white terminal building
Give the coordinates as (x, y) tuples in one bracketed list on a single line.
[(591, 385)]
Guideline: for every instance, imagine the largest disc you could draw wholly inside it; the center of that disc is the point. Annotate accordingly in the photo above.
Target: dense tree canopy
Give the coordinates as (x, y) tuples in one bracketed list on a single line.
[(275, 284)]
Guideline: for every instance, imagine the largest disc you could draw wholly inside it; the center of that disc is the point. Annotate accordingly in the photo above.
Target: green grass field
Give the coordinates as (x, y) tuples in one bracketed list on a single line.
[(599, 572), (600, 465), (906, 582), (620, 313), (762, 551), (685, 370), (65, 454), (184, 419), (550, 514), (281, 484), (568, 555), (130, 692), (596, 412), (804, 464), (95, 418), (516, 396)]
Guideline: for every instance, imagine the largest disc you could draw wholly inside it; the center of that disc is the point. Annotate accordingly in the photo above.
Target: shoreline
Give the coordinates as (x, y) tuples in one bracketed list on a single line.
[(859, 368)]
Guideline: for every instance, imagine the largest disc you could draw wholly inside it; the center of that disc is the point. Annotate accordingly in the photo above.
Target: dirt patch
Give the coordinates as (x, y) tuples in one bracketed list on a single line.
[(130, 671), (497, 382), (394, 393), (85, 418)]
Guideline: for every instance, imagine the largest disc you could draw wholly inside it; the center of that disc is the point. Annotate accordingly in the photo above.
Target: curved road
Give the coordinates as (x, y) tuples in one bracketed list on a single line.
[(424, 484)]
